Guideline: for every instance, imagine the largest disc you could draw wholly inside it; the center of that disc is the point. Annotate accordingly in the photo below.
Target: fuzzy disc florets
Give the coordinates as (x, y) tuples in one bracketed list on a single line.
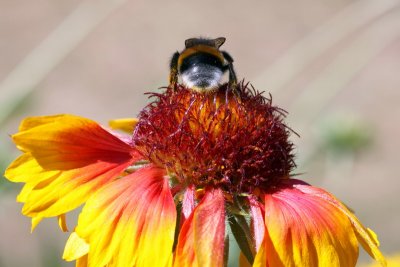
[(216, 139)]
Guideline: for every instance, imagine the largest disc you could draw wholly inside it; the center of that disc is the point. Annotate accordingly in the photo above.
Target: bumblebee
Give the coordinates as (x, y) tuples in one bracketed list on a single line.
[(201, 65)]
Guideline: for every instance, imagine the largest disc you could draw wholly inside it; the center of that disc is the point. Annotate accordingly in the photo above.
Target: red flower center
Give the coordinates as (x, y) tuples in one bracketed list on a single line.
[(218, 139)]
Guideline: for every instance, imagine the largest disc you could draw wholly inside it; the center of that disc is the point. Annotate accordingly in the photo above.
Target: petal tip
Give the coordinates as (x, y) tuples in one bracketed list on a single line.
[(75, 248)]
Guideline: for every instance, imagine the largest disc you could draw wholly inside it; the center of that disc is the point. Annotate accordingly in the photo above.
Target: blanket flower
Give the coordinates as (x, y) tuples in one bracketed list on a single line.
[(163, 195)]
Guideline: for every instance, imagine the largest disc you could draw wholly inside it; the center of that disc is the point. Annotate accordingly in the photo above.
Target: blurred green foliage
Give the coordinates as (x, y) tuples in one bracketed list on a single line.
[(5, 159), (345, 134), (7, 150)]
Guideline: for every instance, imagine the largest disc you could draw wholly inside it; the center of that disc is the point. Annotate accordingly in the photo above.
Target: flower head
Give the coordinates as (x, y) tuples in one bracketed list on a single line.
[(216, 139), (195, 163)]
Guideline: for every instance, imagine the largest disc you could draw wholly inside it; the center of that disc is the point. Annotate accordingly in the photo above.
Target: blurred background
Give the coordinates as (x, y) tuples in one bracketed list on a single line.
[(333, 65)]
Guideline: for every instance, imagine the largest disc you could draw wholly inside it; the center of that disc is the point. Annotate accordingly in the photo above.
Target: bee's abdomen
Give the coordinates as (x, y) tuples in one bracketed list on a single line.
[(201, 70)]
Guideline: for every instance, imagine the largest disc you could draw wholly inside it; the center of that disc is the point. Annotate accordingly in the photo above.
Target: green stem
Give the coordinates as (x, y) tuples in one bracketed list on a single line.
[(241, 232)]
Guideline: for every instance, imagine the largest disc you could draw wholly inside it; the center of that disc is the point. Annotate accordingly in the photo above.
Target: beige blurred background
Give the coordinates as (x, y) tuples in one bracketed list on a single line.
[(333, 65)]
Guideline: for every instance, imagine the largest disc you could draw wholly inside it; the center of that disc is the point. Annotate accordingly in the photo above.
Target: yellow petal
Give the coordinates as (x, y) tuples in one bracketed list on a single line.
[(32, 122), (75, 248), (126, 124), (66, 159), (373, 236), (261, 257), (35, 222), (50, 193), (392, 261), (130, 222)]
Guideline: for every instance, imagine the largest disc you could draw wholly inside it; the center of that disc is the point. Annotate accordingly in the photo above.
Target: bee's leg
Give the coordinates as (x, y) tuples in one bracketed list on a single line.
[(173, 67), (232, 75)]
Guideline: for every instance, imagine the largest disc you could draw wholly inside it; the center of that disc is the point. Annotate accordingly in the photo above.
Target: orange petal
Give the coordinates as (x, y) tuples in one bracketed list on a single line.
[(185, 252), (306, 227), (243, 262), (66, 142), (82, 262), (66, 159), (131, 221), (62, 222), (201, 239)]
